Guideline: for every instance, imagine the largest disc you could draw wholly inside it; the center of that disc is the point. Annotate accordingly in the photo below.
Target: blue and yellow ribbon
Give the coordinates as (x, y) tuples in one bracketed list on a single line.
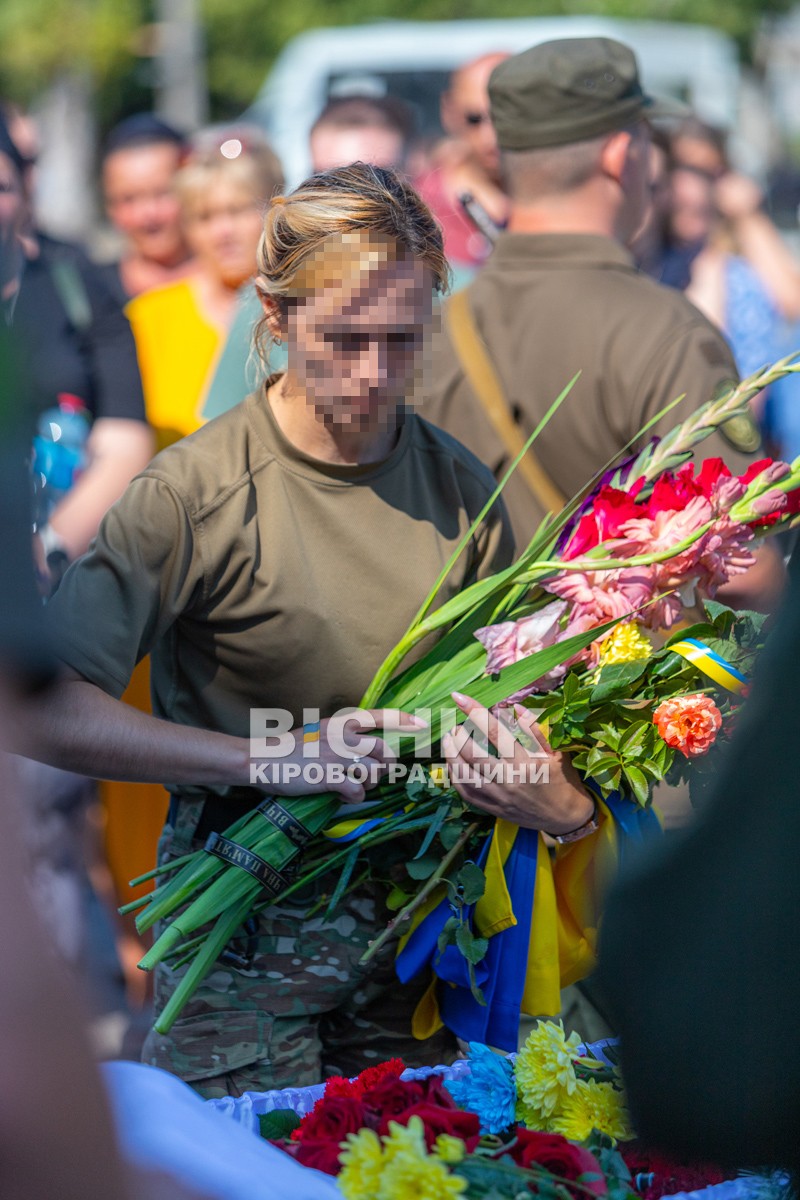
[(711, 664)]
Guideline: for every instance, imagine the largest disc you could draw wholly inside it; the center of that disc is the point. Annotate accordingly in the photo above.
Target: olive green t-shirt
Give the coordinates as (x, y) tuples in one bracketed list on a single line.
[(258, 577), (550, 305)]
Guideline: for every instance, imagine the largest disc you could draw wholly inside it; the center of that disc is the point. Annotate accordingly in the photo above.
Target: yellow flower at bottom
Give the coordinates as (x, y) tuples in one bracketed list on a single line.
[(593, 1106), (449, 1149), (362, 1165), (407, 1177), (544, 1072)]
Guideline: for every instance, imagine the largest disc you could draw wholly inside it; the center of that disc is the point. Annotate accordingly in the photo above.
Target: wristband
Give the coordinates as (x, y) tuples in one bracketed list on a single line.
[(576, 835)]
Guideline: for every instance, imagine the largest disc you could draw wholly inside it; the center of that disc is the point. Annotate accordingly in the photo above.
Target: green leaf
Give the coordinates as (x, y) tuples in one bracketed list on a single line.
[(471, 883), (450, 833), (602, 764), (639, 785), (722, 617), (397, 899), (616, 679), (473, 948), (422, 868), (634, 737), (448, 935), (433, 828), (609, 735), (278, 1125), (341, 884)]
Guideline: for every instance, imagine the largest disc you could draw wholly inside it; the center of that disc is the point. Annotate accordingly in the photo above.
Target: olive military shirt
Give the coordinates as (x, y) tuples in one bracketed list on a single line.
[(550, 305), (258, 577)]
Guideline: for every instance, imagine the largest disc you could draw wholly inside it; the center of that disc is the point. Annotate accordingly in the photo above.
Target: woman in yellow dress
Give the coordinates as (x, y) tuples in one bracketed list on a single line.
[(181, 328)]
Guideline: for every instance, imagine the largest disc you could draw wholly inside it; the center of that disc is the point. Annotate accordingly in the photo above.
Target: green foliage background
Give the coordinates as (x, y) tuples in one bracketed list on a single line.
[(41, 38)]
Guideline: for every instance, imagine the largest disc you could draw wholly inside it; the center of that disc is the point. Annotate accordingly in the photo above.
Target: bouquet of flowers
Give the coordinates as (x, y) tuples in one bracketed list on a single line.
[(551, 1121), (567, 629), (385, 1137)]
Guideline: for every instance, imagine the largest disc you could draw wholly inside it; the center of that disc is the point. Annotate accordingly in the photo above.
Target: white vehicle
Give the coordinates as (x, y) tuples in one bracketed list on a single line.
[(412, 60)]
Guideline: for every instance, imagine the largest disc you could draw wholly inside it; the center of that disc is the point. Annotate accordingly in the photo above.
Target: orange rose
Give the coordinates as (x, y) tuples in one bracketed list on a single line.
[(688, 723)]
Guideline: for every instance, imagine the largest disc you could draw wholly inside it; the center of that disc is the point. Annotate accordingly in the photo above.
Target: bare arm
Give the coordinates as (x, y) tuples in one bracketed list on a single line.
[(739, 200), (118, 449), (77, 727)]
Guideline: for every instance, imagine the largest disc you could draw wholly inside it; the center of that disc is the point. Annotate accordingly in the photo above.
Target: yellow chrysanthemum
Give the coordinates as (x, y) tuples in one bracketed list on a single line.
[(405, 1139), (449, 1149), (408, 1177), (362, 1165), (593, 1106), (626, 643), (544, 1072)]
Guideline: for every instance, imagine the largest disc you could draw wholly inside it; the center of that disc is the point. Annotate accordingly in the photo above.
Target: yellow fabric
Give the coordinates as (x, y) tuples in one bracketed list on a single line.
[(178, 350), (493, 912), (568, 897), (427, 1019)]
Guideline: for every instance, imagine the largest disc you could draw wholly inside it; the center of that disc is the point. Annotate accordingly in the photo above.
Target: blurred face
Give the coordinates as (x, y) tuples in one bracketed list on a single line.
[(465, 113), (332, 147), (141, 202), (691, 205), (223, 227), (356, 350)]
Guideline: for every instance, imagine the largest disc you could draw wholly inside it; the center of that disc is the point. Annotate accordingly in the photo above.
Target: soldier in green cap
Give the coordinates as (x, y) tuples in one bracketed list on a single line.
[(560, 294)]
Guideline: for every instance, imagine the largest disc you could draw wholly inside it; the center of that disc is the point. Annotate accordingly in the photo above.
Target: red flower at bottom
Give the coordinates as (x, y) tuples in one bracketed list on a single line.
[(556, 1154), (321, 1154)]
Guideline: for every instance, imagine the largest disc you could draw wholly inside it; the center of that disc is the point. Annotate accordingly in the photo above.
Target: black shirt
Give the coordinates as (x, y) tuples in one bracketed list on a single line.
[(72, 336)]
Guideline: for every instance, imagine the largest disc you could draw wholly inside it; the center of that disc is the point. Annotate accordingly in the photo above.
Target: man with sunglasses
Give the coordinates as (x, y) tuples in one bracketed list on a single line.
[(467, 163)]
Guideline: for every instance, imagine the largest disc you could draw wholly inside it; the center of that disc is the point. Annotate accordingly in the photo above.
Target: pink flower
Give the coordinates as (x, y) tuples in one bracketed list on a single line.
[(725, 493), (669, 527), (509, 641), (688, 723), (723, 554), (769, 472), (602, 595), (769, 502)]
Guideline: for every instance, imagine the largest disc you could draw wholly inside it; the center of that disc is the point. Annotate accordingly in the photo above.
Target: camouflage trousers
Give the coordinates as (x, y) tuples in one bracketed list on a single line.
[(291, 1005)]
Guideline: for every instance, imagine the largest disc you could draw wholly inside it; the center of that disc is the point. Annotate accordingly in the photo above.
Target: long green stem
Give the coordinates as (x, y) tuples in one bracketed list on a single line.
[(422, 895)]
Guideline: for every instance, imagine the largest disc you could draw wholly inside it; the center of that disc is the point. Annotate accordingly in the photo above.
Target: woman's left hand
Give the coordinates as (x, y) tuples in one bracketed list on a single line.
[(540, 790)]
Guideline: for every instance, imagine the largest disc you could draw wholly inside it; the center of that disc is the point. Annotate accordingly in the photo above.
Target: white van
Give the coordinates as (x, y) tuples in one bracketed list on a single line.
[(412, 60)]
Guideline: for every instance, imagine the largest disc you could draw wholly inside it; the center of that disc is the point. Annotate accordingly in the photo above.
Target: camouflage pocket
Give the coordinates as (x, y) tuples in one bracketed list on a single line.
[(211, 1044)]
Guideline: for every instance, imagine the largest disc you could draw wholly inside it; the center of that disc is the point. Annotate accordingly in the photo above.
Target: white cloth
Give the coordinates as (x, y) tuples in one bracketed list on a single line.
[(162, 1124)]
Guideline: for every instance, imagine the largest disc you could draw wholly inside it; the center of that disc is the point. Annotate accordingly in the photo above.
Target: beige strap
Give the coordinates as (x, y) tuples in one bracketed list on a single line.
[(480, 372)]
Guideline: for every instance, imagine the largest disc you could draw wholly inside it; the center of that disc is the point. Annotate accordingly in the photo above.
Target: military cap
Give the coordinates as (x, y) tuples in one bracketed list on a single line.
[(569, 90)]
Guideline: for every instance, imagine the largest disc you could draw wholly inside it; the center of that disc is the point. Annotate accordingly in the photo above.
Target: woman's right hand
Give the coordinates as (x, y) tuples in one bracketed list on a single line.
[(342, 754)]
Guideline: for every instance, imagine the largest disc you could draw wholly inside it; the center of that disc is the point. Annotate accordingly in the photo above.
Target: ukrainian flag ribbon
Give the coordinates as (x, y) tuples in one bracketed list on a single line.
[(541, 916), (711, 664)]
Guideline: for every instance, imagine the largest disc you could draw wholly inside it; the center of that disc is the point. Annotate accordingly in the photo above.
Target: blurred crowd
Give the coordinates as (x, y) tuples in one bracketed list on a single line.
[(120, 359)]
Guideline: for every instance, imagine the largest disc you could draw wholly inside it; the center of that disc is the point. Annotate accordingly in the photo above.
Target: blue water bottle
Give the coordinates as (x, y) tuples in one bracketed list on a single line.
[(59, 452)]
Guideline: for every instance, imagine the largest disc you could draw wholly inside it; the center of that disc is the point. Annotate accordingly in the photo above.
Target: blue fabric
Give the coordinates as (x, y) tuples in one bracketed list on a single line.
[(502, 978)]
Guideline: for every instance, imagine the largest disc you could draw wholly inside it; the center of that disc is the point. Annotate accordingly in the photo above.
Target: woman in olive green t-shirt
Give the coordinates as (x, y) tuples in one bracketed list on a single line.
[(271, 560)]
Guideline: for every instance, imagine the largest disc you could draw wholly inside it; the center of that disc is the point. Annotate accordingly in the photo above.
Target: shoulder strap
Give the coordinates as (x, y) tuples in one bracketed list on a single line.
[(71, 290), (483, 379)]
